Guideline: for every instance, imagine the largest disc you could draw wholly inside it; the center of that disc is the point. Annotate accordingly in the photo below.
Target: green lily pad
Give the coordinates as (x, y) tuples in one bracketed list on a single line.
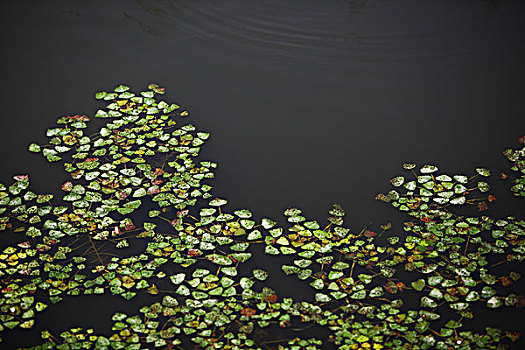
[(217, 202), (483, 172), (418, 285), (260, 274), (427, 169), (397, 181), (178, 278), (483, 186), (494, 302)]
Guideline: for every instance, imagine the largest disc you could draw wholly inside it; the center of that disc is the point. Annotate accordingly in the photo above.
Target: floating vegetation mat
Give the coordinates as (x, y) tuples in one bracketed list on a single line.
[(137, 182)]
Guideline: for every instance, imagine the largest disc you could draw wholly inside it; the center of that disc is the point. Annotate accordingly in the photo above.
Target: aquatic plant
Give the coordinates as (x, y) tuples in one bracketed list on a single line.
[(137, 182)]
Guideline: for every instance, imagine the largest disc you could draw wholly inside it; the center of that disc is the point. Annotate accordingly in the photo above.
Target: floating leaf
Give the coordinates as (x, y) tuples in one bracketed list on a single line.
[(121, 88), (182, 290), (243, 214), (178, 278), (34, 148), (427, 169), (459, 200), (483, 186), (317, 284), (323, 298), (461, 179), (217, 202), (483, 172), (397, 181), (494, 302), (418, 285), (428, 302), (260, 274)]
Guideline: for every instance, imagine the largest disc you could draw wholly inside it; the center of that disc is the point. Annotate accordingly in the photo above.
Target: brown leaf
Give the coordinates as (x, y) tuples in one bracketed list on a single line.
[(482, 206), (390, 287), (506, 281), (248, 312), (370, 234)]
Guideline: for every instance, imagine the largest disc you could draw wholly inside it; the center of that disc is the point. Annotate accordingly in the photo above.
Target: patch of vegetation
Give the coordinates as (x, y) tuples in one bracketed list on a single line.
[(137, 182)]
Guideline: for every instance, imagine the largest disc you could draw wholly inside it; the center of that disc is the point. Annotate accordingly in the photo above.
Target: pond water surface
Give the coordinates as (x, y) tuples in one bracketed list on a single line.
[(309, 103)]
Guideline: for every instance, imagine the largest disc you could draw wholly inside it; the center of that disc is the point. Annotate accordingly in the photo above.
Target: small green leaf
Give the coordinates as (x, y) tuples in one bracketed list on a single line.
[(418, 285), (483, 172)]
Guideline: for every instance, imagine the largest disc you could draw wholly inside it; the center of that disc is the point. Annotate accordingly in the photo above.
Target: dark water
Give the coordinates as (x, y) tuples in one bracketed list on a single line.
[(309, 102)]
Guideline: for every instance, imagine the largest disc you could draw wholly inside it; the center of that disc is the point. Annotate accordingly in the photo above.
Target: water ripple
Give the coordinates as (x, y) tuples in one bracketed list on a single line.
[(322, 31)]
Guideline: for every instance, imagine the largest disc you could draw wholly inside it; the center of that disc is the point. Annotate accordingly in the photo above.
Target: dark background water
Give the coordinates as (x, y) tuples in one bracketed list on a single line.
[(309, 102)]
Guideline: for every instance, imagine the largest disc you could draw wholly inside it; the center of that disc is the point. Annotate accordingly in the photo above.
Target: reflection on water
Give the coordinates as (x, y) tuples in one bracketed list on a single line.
[(143, 26), (320, 32)]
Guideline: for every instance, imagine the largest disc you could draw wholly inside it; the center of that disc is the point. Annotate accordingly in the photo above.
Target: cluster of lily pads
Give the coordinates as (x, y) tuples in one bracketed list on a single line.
[(136, 182), (517, 157)]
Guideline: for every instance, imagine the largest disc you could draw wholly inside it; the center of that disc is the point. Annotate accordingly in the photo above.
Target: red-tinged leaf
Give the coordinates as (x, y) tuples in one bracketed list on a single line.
[(21, 177), (370, 234), (122, 195), (248, 312), (25, 244), (521, 301), (521, 139), (159, 171), (284, 324), (416, 204), (400, 286), (513, 336), (503, 176), (482, 206), (426, 219), (77, 174), (381, 197), (117, 231), (390, 287), (506, 281), (79, 117), (272, 298), (183, 213), (129, 227), (67, 186), (153, 190), (491, 198), (193, 252), (43, 248)]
